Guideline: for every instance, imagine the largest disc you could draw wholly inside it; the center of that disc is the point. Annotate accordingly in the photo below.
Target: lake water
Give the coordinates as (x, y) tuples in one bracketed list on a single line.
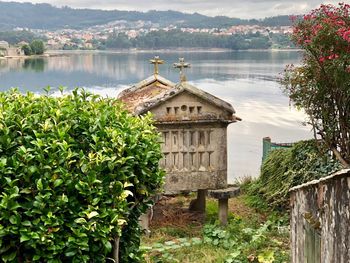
[(246, 79)]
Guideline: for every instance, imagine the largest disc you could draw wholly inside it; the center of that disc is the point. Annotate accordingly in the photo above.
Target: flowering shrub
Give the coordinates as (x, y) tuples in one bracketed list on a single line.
[(321, 85), (76, 173)]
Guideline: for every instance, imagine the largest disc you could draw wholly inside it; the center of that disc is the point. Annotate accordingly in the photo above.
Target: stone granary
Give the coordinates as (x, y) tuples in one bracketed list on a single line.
[(193, 125)]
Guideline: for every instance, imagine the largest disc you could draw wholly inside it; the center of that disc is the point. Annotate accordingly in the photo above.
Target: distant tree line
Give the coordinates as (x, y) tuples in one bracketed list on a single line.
[(14, 37), (178, 39), (46, 16)]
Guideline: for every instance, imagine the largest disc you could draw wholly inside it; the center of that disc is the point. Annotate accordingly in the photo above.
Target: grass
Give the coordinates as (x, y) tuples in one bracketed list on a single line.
[(252, 235)]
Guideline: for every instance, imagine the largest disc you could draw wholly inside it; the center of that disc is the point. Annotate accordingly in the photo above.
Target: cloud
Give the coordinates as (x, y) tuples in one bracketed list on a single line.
[(232, 8)]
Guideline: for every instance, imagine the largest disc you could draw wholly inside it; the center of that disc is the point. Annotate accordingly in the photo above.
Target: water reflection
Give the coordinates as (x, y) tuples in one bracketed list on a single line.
[(245, 79), (112, 69), (35, 64)]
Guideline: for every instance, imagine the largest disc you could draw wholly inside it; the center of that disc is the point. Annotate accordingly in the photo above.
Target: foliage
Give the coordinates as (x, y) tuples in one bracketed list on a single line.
[(321, 85), (179, 39), (27, 50), (241, 241), (37, 47), (286, 168), (118, 41), (14, 37), (76, 172)]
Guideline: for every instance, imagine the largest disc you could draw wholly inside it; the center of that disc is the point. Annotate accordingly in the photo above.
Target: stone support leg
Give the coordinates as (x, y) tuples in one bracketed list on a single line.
[(199, 203), (223, 211)]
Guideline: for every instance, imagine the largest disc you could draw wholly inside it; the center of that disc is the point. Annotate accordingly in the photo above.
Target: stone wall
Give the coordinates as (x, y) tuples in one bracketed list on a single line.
[(320, 220), (195, 156)]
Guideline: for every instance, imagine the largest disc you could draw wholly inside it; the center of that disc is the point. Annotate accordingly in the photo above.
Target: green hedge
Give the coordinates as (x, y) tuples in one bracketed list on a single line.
[(286, 168), (76, 171)]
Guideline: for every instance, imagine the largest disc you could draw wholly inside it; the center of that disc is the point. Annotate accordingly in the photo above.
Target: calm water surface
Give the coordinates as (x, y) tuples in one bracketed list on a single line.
[(246, 79)]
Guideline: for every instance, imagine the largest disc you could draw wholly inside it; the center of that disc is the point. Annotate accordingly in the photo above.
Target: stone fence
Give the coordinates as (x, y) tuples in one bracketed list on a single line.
[(320, 220)]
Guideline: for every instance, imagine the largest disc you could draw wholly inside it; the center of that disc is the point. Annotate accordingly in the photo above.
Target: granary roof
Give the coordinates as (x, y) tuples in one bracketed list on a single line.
[(156, 90), (177, 89), (144, 91)]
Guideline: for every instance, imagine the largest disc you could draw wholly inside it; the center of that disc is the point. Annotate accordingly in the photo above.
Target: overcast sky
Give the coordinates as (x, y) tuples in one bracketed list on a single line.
[(232, 8)]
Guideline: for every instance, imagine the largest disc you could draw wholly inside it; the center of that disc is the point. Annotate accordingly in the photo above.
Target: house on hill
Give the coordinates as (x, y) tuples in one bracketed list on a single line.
[(3, 48), (193, 125), (7, 50), (4, 44)]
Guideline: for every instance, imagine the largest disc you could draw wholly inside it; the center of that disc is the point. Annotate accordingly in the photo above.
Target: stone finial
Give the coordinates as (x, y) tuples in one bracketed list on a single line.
[(156, 61), (182, 65)]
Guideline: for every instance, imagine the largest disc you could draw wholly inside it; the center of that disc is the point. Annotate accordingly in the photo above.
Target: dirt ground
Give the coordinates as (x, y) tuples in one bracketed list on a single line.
[(172, 211)]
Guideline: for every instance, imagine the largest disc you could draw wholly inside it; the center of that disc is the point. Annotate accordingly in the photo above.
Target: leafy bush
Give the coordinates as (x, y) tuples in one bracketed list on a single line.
[(286, 168), (76, 172), (321, 84), (37, 47), (27, 50)]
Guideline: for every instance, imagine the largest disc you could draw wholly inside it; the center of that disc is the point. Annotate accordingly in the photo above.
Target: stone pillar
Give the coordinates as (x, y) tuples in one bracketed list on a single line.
[(199, 203), (223, 211)]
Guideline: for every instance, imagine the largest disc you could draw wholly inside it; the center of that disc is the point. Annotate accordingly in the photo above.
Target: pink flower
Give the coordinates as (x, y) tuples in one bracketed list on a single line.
[(293, 18), (346, 36), (322, 59), (333, 56)]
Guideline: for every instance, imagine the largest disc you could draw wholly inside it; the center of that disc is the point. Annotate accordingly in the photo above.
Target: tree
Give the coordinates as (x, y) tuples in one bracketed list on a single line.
[(27, 50), (37, 47), (321, 85)]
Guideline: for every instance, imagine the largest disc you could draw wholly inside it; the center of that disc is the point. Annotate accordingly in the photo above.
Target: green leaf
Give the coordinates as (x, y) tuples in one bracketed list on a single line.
[(126, 193), (12, 205), (64, 198), (26, 223), (70, 253), (80, 220), (39, 185), (121, 222), (267, 256), (92, 214), (24, 238), (58, 182), (36, 257), (108, 246), (235, 254), (26, 191), (9, 257), (127, 184), (13, 220)]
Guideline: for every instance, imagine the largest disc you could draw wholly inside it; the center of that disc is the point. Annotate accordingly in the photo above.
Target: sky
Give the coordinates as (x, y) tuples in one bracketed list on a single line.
[(232, 8)]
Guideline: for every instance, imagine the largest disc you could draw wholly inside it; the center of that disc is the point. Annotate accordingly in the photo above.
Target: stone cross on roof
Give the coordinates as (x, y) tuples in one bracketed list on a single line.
[(156, 61), (182, 65)]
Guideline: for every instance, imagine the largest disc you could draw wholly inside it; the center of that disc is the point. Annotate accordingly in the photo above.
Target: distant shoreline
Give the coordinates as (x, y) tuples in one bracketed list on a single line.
[(53, 53), (59, 53), (45, 55)]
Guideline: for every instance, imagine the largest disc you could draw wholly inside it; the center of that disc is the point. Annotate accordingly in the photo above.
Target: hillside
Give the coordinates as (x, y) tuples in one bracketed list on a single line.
[(46, 16)]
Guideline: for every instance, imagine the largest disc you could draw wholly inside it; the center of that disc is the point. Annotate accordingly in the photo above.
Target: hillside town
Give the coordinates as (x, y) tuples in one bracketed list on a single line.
[(92, 37)]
